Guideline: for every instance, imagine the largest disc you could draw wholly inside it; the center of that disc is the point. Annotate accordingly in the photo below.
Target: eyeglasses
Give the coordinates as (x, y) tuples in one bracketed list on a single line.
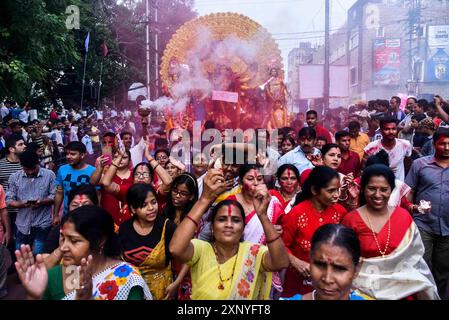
[(180, 193), (142, 174)]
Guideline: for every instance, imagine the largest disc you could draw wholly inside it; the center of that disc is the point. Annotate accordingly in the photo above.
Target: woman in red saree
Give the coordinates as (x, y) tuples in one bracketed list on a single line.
[(315, 206), (288, 178), (393, 266)]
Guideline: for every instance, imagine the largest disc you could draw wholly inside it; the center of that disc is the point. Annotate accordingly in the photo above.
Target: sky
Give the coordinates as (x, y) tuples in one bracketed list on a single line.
[(289, 21)]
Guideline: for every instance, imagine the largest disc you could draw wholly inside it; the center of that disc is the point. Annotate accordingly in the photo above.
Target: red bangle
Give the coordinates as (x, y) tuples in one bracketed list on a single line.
[(273, 239), (196, 223)]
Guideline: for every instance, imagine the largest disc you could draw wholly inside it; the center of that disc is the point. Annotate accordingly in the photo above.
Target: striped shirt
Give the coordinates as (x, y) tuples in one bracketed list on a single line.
[(8, 168), (24, 188), (39, 140)]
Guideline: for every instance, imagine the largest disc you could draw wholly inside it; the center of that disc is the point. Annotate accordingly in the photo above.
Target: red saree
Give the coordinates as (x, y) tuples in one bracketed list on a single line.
[(298, 228)]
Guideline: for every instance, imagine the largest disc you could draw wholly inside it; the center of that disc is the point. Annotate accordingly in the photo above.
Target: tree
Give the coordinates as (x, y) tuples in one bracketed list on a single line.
[(38, 51)]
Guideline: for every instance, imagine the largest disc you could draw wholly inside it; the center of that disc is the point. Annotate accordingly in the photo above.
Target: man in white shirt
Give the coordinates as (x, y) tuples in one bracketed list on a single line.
[(398, 149), (302, 156), (4, 110), (24, 116)]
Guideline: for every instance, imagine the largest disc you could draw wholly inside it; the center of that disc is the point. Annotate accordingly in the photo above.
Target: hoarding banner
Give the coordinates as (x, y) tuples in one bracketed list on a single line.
[(438, 36), (437, 68), (226, 96), (387, 63)]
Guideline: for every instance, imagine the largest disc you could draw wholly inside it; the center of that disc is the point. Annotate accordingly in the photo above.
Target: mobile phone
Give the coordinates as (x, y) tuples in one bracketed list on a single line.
[(109, 159)]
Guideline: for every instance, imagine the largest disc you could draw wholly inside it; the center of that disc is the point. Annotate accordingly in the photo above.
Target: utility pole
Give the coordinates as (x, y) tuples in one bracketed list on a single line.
[(147, 15), (156, 47), (326, 89)]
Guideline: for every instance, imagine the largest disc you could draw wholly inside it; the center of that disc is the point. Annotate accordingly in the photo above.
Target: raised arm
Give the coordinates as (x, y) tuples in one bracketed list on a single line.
[(161, 172), (97, 174), (276, 258), (180, 246), (443, 114)]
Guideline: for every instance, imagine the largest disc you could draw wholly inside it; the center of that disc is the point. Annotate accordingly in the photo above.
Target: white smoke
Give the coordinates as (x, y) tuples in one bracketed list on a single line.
[(196, 73)]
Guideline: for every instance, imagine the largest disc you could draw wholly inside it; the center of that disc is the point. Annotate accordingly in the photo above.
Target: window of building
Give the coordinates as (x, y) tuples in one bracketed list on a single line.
[(380, 32), (418, 70), (353, 76), (354, 41)]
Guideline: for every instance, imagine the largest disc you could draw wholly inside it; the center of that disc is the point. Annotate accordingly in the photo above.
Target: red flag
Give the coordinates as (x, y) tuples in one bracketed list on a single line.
[(105, 49)]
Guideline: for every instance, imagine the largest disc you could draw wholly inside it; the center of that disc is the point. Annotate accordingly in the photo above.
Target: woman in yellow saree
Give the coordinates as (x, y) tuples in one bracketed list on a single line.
[(228, 269)]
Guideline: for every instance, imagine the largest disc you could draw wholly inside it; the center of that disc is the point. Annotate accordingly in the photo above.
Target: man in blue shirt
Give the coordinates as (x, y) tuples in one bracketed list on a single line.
[(73, 174), (428, 178), (304, 154)]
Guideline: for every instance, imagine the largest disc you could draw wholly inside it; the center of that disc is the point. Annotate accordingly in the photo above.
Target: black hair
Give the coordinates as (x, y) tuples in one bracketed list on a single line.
[(354, 125), (160, 144), (286, 166), (384, 103), (423, 103), (87, 190), (307, 132), (441, 132), (96, 225), (12, 141), (418, 117), (381, 157), (29, 159), (122, 134), (192, 184), (145, 164), (319, 178), (386, 120), (223, 203), (325, 149), (76, 146), (341, 134), (288, 138), (109, 134), (245, 168), (398, 100), (312, 112), (33, 146), (164, 150), (340, 236), (374, 171), (136, 195)]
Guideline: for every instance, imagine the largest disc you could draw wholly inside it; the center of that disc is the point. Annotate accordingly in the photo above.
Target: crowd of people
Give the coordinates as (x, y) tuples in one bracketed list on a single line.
[(99, 205)]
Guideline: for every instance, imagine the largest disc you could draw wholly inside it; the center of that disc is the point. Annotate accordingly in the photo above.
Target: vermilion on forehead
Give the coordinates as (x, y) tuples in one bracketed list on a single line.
[(229, 210), (253, 173), (443, 140)]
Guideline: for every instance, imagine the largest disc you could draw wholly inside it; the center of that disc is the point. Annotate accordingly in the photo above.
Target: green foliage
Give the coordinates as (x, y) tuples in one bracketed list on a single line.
[(37, 50)]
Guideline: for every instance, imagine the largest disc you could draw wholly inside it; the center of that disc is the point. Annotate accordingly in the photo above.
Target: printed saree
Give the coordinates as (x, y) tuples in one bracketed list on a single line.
[(115, 283)]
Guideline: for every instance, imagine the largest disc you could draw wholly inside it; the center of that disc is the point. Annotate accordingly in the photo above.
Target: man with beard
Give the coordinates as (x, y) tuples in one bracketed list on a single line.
[(14, 146), (303, 156), (398, 150), (428, 179), (73, 174)]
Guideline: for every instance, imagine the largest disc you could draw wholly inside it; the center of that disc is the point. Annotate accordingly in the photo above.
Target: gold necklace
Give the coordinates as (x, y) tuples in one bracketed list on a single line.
[(221, 285), (388, 235)]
